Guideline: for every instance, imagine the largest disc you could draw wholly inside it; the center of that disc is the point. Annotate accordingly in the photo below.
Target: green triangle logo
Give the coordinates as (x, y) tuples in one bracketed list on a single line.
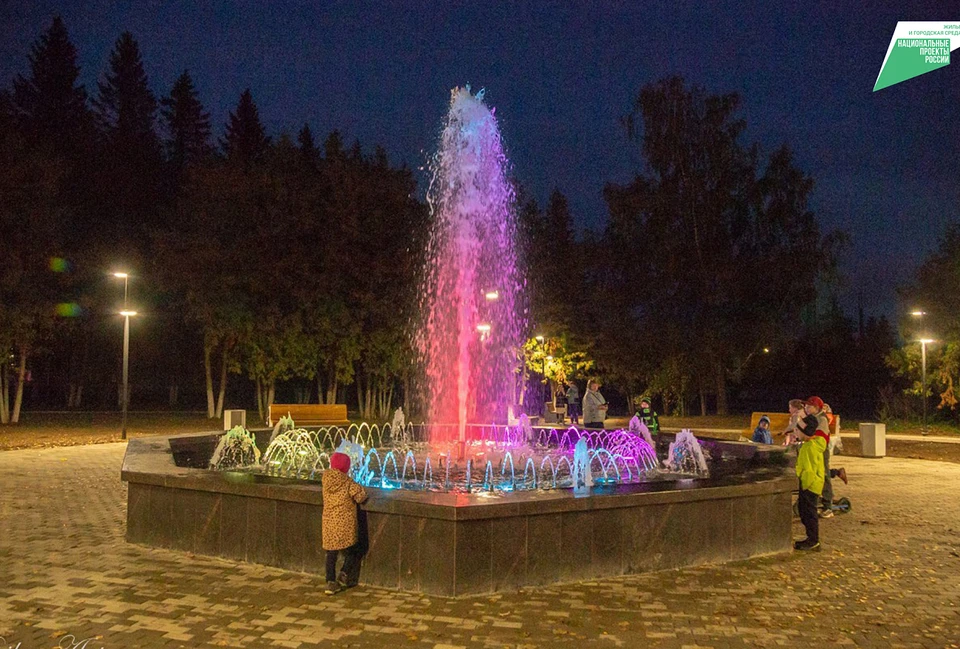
[(911, 57)]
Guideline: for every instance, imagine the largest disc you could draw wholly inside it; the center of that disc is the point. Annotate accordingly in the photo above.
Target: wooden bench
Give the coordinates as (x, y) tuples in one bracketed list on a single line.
[(780, 420), (309, 414)]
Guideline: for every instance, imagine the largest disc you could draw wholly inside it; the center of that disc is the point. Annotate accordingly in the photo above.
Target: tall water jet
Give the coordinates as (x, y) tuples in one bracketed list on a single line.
[(473, 324)]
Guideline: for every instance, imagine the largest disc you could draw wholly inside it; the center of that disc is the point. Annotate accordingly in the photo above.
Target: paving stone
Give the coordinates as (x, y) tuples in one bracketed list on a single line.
[(888, 576)]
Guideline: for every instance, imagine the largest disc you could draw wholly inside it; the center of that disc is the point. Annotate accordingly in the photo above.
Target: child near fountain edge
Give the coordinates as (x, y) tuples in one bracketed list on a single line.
[(814, 435), (649, 416), (341, 497)]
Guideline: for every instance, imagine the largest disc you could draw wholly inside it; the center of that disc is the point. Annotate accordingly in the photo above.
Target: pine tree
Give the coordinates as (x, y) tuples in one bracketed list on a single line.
[(130, 181), (308, 148), (333, 146), (125, 106), (560, 223), (49, 105), (246, 140), (187, 125)]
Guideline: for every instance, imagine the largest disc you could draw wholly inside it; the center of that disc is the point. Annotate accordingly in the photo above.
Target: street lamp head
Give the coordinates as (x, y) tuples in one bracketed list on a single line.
[(483, 327), (128, 314), (549, 358), (918, 313), (492, 295), (121, 275), (766, 350), (539, 339), (927, 341)]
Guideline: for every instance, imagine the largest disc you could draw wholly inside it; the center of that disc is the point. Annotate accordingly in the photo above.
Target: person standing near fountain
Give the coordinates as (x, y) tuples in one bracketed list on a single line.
[(810, 470), (573, 402), (594, 406), (341, 497)]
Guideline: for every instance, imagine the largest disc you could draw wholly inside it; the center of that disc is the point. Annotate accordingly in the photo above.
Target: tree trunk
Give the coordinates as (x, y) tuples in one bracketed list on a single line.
[(174, 394), (211, 412), (332, 386), (319, 388), (4, 393), (359, 383), (703, 402), (524, 375), (21, 375), (223, 384), (721, 391), (79, 379), (368, 398), (371, 397), (260, 400)]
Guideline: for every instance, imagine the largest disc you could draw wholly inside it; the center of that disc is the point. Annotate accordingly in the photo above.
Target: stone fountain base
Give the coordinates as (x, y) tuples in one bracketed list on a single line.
[(457, 544)]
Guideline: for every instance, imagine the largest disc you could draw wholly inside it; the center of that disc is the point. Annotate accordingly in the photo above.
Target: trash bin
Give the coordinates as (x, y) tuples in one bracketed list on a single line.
[(233, 418), (873, 440)]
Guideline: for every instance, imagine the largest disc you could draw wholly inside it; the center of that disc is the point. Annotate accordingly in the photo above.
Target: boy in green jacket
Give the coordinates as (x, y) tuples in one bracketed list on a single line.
[(649, 416), (814, 432)]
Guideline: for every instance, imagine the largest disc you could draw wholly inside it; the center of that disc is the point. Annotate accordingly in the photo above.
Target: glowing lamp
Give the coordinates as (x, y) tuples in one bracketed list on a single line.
[(918, 313), (539, 339), (483, 328), (766, 350), (549, 358), (121, 275), (128, 314), (492, 295), (927, 341)]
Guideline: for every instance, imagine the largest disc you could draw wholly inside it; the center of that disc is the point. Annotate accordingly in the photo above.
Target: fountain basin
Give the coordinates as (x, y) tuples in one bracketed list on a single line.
[(456, 544)]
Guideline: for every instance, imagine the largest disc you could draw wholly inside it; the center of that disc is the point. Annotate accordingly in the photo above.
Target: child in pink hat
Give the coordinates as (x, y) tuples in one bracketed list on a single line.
[(341, 495)]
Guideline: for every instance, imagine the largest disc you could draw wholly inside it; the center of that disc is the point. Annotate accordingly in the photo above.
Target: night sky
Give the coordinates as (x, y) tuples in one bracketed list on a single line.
[(560, 75)]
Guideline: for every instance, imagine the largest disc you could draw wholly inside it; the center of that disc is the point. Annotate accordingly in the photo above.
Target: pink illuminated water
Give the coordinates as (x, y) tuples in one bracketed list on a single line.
[(472, 320)]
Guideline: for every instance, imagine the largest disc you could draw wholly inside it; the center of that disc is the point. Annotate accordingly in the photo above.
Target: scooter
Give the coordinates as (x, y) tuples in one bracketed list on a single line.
[(840, 505)]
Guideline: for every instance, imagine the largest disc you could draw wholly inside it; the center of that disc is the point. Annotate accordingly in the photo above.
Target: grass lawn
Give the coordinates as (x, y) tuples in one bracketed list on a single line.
[(714, 422), (38, 430)]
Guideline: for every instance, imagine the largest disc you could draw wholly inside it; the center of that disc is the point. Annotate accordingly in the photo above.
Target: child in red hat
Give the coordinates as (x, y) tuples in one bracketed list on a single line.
[(341, 495)]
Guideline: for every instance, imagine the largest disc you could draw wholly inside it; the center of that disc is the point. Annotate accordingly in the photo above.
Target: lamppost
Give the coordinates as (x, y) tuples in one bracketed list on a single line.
[(923, 380), (919, 313), (127, 314)]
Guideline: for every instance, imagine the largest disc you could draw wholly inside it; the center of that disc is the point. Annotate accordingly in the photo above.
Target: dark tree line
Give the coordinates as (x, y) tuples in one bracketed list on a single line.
[(292, 262), (712, 279), (279, 260)]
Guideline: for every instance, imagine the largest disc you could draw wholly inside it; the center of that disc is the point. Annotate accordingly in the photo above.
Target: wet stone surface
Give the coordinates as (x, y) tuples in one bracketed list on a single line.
[(889, 576)]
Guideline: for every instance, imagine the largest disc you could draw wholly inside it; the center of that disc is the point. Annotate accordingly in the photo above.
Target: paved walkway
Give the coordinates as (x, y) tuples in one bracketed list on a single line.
[(938, 439), (889, 577)]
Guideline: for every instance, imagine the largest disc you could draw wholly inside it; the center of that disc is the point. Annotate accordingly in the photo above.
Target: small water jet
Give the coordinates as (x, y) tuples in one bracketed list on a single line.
[(686, 456)]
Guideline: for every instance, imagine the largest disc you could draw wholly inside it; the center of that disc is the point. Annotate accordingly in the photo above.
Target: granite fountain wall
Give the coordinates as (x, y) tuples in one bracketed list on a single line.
[(457, 544)]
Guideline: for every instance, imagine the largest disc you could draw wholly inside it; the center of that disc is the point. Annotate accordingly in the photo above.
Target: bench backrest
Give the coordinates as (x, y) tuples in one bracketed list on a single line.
[(309, 414), (780, 420)]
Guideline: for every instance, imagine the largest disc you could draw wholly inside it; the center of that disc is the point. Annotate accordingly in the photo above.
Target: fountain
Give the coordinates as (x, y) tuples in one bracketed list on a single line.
[(472, 501), (472, 322)]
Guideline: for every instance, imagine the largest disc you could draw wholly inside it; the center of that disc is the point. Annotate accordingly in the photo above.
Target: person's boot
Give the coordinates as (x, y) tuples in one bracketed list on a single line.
[(333, 587), (807, 545)]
